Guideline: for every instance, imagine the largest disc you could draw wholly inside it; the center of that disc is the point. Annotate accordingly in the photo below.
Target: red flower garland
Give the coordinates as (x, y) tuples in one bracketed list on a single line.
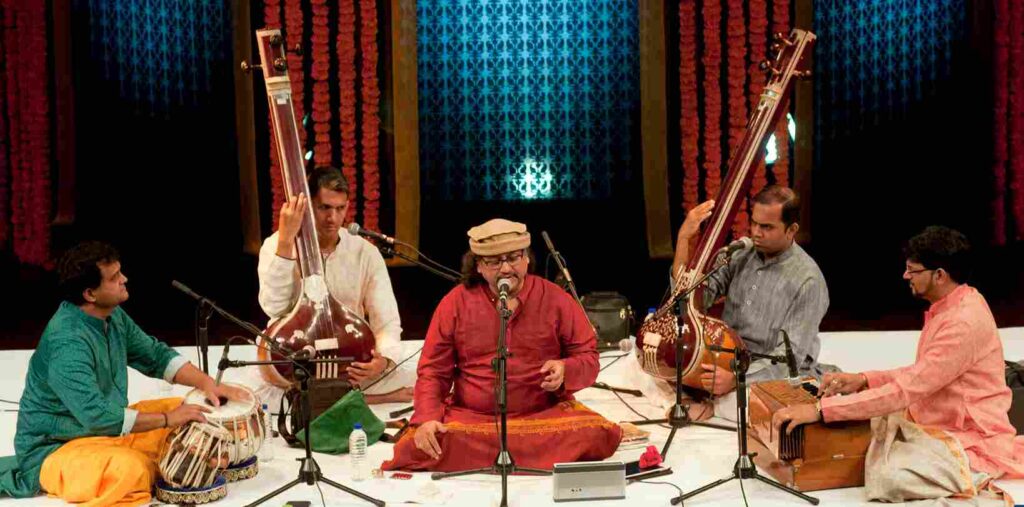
[(689, 119), (272, 19), (736, 74), (758, 28), (780, 24), (1016, 116), (347, 101), (320, 71), (712, 100), (295, 35), (371, 122)]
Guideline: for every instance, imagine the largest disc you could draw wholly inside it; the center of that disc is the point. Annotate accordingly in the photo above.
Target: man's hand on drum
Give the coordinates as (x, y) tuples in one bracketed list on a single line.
[(186, 413), (717, 380), (214, 392), (358, 372), (426, 438)]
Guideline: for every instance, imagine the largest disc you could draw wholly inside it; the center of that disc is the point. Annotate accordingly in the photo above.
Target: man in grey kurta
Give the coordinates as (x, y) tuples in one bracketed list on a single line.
[(774, 286), (77, 380)]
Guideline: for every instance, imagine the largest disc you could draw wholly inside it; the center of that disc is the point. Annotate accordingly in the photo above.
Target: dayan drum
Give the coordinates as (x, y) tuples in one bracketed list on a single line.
[(190, 467), (243, 421)]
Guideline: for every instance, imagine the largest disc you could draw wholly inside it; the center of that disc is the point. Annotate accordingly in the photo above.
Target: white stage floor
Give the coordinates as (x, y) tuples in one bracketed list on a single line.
[(698, 455)]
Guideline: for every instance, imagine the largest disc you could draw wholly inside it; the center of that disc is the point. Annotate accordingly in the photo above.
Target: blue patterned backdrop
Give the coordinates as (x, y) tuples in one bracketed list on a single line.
[(526, 99), (876, 59), (163, 53)]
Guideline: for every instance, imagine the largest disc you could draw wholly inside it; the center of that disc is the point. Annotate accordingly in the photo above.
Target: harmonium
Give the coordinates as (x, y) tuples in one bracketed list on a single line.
[(814, 456)]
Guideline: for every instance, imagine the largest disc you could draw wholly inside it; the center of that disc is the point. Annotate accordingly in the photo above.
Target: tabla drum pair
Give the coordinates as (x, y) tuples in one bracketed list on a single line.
[(200, 458)]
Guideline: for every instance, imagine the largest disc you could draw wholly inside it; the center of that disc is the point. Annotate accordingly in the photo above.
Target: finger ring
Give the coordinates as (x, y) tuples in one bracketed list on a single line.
[(835, 381)]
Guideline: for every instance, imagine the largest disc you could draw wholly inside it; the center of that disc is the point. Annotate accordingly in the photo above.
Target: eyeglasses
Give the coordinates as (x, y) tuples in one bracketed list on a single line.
[(916, 271), (495, 262)]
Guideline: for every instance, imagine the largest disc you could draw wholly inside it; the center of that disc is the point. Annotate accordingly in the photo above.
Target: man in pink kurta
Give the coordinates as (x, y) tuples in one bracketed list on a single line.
[(553, 354), (957, 382)]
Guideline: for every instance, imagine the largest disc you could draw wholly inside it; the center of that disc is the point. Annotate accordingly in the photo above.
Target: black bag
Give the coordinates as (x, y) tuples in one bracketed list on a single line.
[(611, 315), (323, 394)]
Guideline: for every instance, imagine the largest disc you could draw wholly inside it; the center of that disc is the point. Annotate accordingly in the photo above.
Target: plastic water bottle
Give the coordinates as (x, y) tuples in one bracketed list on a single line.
[(357, 449), (266, 451)]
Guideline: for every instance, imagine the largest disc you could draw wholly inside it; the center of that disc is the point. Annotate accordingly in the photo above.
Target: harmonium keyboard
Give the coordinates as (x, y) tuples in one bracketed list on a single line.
[(814, 456)]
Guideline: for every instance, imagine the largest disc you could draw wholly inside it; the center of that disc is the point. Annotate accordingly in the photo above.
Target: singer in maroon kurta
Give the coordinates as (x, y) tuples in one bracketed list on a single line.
[(544, 427)]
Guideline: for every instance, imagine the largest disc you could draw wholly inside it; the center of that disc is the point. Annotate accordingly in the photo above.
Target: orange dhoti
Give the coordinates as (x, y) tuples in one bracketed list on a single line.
[(102, 471), (568, 431)]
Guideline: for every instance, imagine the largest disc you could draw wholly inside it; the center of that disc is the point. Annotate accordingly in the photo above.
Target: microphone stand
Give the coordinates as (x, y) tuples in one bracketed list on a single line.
[(503, 463), (309, 471), (679, 417), (744, 467), (388, 250), (560, 262)]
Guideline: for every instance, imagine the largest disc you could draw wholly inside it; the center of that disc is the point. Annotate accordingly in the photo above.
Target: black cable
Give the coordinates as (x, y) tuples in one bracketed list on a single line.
[(617, 395), (616, 357), (11, 402), (393, 369), (438, 265)]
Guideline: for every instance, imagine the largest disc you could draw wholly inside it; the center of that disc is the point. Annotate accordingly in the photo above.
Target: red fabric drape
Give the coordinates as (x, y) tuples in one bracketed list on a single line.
[(1008, 125), (25, 198)]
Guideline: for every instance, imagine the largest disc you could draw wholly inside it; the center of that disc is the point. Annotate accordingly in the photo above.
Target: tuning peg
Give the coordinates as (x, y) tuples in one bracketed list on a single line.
[(280, 64), (765, 65), (802, 74), (297, 50), (780, 38), (248, 68), (276, 40), (306, 120)]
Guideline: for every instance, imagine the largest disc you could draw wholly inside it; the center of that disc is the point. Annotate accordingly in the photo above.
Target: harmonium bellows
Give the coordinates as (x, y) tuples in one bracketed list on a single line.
[(814, 456)]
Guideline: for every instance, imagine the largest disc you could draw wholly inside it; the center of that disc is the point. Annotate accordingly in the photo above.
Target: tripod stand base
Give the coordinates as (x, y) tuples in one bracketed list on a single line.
[(310, 474), (744, 469)]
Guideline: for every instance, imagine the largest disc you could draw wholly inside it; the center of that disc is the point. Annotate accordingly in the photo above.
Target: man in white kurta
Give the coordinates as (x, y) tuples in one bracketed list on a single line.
[(354, 271)]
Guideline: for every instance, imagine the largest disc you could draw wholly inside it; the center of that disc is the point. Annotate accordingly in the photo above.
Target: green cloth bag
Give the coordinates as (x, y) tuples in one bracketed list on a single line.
[(332, 428)]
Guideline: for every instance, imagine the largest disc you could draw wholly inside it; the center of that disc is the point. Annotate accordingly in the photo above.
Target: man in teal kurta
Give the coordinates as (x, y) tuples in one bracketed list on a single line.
[(77, 381)]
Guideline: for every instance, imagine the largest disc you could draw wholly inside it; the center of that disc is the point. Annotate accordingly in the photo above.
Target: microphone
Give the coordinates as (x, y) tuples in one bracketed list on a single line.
[(355, 230), (737, 245), (794, 375), (625, 345), (307, 352), (184, 288), (558, 258), (504, 285)]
